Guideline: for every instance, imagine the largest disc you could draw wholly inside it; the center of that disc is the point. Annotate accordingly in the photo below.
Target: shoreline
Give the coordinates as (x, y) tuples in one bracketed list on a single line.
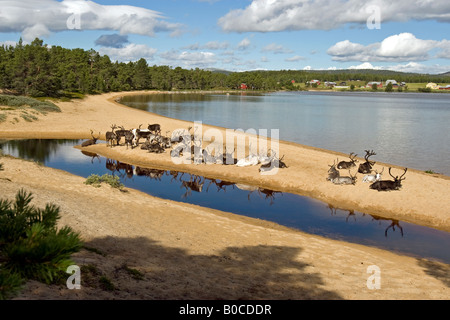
[(422, 200), (181, 249)]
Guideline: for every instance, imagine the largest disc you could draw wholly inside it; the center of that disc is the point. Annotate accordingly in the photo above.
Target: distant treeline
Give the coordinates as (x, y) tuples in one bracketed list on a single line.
[(36, 69)]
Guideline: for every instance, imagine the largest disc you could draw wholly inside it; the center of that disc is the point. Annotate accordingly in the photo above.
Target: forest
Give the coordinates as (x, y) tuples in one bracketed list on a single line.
[(39, 70)]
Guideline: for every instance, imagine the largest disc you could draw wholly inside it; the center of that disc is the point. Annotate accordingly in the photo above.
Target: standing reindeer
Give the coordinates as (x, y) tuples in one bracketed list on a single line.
[(119, 134), (91, 141), (388, 185), (111, 136), (348, 164), (366, 167)]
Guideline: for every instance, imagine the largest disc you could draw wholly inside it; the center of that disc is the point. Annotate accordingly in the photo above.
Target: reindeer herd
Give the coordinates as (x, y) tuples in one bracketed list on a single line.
[(155, 142), (364, 168), (181, 140)]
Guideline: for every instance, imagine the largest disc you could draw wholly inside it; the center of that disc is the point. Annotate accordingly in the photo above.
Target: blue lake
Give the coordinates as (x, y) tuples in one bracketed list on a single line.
[(405, 129), (291, 210)]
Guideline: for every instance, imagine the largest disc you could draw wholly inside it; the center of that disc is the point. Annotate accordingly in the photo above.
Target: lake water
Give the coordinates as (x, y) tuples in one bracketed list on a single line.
[(405, 129), (286, 209)]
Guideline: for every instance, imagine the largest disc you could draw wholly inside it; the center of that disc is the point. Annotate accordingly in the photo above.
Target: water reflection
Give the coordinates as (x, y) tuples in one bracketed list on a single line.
[(286, 209)]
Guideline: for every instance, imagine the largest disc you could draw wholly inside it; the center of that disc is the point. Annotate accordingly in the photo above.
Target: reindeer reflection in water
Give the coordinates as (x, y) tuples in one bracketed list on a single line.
[(351, 213), (194, 183), (394, 223), (92, 155), (117, 166)]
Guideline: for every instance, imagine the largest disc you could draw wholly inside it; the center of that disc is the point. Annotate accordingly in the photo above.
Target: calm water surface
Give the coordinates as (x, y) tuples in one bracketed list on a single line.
[(406, 129), (286, 209)]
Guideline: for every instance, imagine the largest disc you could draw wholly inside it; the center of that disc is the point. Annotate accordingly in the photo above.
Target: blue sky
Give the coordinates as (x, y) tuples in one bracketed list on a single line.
[(243, 35)]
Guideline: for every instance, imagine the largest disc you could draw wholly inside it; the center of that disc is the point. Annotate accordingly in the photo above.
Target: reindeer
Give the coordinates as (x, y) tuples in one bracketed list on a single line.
[(141, 133), (227, 158), (155, 128), (119, 134), (156, 148), (91, 141), (388, 185), (333, 173), (348, 164), (345, 180), (366, 167), (274, 162), (111, 136), (373, 177), (129, 138)]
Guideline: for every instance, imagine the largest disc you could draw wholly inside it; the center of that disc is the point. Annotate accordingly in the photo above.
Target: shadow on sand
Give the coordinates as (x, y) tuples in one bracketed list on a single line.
[(236, 273)]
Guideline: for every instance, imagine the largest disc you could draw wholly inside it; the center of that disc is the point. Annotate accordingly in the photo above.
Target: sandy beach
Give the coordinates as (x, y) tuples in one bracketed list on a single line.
[(190, 252)]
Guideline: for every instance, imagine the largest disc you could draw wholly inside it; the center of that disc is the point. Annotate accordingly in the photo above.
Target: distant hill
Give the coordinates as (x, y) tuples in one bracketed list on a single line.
[(216, 70)]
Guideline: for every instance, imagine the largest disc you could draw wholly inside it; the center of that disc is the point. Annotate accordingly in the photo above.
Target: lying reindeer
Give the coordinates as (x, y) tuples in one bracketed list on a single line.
[(348, 164), (366, 167), (345, 180), (388, 185), (333, 173), (373, 177), (91, 141)]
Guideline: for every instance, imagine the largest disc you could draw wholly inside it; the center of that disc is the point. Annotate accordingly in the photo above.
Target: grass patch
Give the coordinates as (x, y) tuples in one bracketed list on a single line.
[(134, 273), (95, 250), (17, 102), (430, 171), (96, 181), (106, 284)]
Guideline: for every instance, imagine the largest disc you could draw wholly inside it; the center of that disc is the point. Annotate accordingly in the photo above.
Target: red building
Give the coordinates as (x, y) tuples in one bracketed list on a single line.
[(243, 86)]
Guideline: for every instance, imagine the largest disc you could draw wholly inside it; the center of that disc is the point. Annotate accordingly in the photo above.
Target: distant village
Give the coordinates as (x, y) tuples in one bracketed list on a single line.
[(371, 84)]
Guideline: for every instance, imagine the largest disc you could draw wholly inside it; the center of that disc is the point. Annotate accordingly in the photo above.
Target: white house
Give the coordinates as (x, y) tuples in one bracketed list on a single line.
[(394, 83)]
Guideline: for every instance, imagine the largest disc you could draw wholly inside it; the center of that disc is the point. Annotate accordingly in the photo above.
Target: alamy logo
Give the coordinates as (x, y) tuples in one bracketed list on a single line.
[(74, 21), (74, 281), (374, 20), (227, 148), (374, 280)]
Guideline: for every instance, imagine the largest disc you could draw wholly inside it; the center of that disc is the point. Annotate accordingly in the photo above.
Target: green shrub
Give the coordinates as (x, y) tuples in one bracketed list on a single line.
[(10, 285), (31, 246), (96, 180), (42, 254)]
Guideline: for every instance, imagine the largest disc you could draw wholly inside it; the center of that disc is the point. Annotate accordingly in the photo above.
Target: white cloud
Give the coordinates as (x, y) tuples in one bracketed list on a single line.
[(307, 68), (270, 15), (396, 48), (295, 59), (189, 59), (38, 18), (415, 67), (275, 48), (244, 44), (131, 52)]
